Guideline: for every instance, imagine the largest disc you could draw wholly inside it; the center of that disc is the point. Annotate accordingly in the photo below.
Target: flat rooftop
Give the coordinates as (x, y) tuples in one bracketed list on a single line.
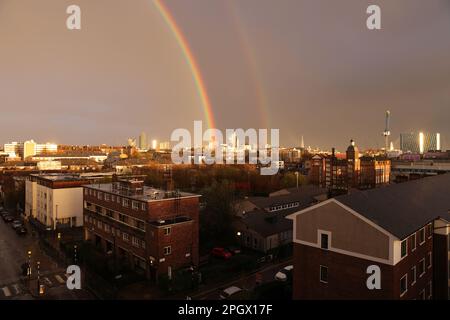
[(58, 177), (147, 194)]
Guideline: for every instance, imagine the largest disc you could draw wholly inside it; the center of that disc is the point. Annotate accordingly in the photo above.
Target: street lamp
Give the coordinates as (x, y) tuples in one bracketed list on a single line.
[(75, 254), (39, 278), (29, 265)]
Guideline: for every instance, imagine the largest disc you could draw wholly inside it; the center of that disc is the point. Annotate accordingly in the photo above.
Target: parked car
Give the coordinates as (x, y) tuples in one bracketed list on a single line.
[(284, 274), (16, 224), (221, 253), (230, 293), (8, 218), (22, 231)]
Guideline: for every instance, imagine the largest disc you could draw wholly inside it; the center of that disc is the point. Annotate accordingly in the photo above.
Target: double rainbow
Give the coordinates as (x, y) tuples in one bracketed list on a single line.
[(190, 59)]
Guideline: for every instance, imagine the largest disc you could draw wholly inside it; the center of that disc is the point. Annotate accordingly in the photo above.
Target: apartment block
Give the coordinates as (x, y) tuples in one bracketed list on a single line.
[(151, 230), (55, 200), (403, 230)]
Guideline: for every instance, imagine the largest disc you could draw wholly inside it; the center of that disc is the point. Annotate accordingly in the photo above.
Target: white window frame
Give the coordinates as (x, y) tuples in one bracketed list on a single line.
[(167, 250), (406, 251), (167, 231), (107, 197), (424, 267), (319, 238), (429, 256), (420, 294), (415, 242), (143, 206), (125, 202), (320, 273), (424, 236), (135, 205), (414, 272), (406, 289), (135, 242), (125, 237), (430, 225), (430, 287)]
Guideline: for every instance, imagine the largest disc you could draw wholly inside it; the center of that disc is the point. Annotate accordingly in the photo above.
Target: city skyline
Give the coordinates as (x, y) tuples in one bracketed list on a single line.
[(109, 81)]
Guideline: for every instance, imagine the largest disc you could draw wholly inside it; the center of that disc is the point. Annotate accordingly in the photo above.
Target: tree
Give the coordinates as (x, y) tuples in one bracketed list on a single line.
[(216, 221)]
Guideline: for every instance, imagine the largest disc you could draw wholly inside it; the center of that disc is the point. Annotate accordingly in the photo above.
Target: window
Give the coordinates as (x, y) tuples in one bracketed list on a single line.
[(404, 248), (167, 250), (429, 260), (125, 202), (323, 274), (143, 244), (135, 242), (113, 198), (422, 295), (422, 236), (430, 290), (118, 199), (107, 228), (413, 242), (140, 225), (125, 236), (167, 231), (100, 224), (123, 218), (421, 267), (135, 205), (86, 191), (143, 206), (324, 241), (403, 285), (99, 195), (430, 230), (413, 275), (107, 197)]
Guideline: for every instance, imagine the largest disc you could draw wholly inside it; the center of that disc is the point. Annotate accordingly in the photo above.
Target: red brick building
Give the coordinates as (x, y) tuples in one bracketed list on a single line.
[(401, 229), (151, 230), (340, 174)]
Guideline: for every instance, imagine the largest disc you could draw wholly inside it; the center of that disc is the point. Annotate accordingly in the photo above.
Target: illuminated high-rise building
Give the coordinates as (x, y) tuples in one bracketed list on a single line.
[(420, 142), (143, 144)]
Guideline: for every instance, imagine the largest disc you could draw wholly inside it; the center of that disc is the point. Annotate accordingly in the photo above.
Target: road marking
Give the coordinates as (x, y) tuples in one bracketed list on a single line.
[(6, 291), (59, 279)]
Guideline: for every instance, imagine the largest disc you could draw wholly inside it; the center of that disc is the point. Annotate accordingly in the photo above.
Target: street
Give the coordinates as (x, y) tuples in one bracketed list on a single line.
[(247, 282), (14, 252)]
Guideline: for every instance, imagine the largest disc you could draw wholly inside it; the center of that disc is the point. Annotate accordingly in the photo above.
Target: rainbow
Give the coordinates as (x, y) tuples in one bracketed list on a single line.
[(190, 59), (252, 61)]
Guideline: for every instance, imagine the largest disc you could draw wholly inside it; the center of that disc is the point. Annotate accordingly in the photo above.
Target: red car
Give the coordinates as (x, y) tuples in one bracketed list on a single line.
[(221, 253)]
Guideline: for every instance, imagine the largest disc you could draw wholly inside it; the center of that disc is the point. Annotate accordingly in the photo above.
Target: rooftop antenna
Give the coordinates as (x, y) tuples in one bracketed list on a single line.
[(387, 132)]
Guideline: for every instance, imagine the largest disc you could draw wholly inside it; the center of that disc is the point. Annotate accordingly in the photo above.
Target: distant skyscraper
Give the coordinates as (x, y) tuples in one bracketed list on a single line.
[(387, 131), (419, 142), (154, 144), (29, 149), (302, 143), (143, 145)]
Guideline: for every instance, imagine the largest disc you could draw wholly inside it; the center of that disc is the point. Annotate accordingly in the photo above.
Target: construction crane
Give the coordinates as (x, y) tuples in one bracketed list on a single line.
[(386, 132)]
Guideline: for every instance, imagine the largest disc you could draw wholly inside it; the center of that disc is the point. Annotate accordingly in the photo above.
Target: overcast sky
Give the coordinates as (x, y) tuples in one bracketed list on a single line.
[(307, 67)]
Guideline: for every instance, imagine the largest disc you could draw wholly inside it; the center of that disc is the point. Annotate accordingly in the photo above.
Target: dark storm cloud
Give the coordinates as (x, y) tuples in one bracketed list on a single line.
[(323, 74)]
